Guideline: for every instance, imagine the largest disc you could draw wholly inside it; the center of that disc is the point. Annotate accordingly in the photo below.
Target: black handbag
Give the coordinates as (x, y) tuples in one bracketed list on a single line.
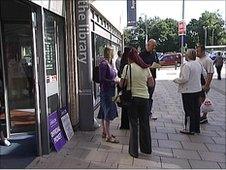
[(126, 95)]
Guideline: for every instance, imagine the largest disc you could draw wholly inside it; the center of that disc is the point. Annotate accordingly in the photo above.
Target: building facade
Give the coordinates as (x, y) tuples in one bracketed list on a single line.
[(48, 52)]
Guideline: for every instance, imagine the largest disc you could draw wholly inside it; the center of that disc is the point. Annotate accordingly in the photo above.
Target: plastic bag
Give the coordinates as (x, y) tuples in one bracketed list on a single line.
[(96, 124), (207, 106)]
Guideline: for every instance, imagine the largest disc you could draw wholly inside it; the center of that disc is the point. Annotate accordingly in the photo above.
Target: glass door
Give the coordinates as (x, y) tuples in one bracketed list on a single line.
[(18, 56)]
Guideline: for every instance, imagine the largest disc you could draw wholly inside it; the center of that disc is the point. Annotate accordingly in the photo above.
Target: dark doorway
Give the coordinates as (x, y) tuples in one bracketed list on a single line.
[(17, 68)]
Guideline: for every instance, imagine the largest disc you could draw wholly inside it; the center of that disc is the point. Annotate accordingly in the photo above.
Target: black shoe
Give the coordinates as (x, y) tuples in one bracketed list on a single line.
[(203, 120), (133, 155), (146, 152), (187, 132)]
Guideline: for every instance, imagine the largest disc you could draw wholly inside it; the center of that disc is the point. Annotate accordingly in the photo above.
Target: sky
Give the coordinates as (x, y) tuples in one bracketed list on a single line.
[(115, 10), (173, 9)]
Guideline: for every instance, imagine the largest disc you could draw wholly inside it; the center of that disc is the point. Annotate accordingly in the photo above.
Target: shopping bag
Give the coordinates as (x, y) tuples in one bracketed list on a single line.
[(207, 106)]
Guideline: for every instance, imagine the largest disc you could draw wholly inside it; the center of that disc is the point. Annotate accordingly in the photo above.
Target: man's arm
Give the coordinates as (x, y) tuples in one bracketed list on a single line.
[(208, 81)]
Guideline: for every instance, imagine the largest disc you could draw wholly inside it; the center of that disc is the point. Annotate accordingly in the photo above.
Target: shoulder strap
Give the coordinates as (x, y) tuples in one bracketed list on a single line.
[(123, 84), (130, 77)]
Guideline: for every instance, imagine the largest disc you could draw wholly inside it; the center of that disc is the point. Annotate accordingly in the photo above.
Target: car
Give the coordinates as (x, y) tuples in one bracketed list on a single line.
[(224, 55), (170, 59), (159, 54), (213, 55)]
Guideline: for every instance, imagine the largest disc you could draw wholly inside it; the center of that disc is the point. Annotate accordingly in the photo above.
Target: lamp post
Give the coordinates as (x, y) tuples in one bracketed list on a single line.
[(205, 29), (213, 36), (146, 27), (182, 36)]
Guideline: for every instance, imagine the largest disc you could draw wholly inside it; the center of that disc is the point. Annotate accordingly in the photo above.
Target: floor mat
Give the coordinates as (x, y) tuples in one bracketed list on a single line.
[(21, 152)]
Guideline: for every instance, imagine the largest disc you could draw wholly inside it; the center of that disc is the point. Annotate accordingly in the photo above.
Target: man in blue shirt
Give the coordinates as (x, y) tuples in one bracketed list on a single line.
[(149, 56)]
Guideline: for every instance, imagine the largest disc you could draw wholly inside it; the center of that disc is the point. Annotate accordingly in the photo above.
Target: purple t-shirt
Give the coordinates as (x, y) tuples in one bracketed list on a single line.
[(106, 72)]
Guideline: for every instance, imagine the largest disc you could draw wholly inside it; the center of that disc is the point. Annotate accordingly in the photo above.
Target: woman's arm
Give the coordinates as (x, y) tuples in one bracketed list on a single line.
[(151, 82), (184, 75)]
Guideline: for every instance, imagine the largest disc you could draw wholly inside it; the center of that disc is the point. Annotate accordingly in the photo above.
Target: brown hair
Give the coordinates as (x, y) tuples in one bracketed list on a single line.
[(203, 48), (108, 53)]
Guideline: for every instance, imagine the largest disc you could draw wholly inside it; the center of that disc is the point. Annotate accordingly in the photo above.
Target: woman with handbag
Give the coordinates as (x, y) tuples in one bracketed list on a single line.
[(108, 110), (137, 77), (190, 87), (124, 113)]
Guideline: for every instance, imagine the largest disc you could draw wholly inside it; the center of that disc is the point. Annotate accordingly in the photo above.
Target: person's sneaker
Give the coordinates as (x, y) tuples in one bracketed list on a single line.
[(153, 118), (203, 120), (5, 142)]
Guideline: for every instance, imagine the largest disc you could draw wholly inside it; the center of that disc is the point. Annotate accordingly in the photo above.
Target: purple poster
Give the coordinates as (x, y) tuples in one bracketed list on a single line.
[(55, 131)]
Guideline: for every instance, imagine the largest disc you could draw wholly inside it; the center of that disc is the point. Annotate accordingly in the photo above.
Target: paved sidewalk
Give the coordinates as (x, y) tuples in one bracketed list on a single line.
[(170, 148)]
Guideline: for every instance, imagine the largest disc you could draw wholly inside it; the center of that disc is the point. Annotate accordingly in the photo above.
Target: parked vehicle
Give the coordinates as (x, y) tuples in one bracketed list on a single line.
[(159, 54), (224, 55), (170, 59)]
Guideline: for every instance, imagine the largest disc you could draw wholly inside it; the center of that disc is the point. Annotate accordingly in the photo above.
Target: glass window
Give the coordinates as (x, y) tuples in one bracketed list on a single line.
[(98, 45)]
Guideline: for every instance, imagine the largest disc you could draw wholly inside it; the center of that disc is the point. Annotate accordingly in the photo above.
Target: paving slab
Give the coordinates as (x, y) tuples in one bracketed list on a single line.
[(196, 164), (148, 161), (212, 156), (125, 159), (165, 152), (194, 146), (216, 148), (169, 144), (185, 154), (159, 136), (174, 163), (178, 137), (101, 165)]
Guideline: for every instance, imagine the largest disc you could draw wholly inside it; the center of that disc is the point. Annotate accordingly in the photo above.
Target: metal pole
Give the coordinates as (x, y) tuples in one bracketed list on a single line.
[(182, 36), (146, 30), (213, 37), (205, 29)]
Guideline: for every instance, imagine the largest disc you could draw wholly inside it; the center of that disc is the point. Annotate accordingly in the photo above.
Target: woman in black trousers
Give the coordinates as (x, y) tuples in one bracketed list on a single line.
[(190, 87), (137, 77), (124, 114)]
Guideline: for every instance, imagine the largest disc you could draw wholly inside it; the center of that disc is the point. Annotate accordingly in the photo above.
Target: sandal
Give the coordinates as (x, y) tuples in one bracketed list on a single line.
[(112, 140), (104, 135)]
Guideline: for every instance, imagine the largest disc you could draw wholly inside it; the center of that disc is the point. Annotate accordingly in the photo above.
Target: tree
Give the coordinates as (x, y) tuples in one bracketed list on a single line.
[(213, 23), (165, 32)]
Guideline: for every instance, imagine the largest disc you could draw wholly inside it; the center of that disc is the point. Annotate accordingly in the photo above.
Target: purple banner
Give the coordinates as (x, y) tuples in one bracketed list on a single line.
[(55, 131)]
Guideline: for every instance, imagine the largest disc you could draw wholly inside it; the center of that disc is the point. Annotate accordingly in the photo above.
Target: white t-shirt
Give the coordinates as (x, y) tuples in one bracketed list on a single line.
[(190, 77), (207, 64), (139, 80)]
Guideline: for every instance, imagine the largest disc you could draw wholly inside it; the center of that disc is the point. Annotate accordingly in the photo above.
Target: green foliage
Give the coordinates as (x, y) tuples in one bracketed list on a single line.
[(165, 32)]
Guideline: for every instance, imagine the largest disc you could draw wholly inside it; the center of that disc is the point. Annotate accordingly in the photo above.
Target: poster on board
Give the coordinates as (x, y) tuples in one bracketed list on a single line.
[(65, 120), (55, 131)]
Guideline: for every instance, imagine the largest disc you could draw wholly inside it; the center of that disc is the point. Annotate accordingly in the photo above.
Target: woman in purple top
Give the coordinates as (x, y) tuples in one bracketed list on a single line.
[(108, 110)]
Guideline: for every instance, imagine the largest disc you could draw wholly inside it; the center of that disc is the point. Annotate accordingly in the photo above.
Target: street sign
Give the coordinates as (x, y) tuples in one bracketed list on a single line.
[(181, 28)]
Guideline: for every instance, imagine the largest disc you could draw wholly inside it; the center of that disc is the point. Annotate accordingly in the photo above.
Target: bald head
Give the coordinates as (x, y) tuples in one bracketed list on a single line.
[(151, 45)]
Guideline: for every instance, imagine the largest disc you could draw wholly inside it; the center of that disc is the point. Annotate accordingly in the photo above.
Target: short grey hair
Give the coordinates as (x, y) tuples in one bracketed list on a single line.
[(191, 54)]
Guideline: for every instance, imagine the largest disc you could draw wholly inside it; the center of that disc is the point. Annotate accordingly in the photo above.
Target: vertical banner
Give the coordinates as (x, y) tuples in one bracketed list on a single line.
[(131, 13), (55, 131), (86, 111)]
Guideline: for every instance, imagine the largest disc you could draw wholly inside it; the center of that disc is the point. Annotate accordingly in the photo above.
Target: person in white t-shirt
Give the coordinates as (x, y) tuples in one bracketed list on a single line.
[(208, 65), (190, 87)]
